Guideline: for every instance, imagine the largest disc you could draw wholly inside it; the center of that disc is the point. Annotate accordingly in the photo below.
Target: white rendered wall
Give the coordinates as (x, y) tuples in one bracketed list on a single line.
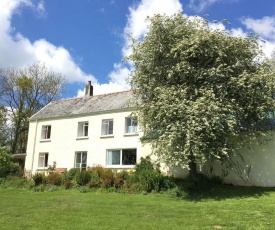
[(256, 169), (64, 142)]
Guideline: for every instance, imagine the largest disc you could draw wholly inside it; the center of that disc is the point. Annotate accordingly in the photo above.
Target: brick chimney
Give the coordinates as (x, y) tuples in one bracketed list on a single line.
[(89, 89)]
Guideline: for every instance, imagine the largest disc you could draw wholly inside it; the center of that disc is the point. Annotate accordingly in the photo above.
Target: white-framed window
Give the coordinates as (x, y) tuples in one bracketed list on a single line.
[(80, 160), (121, 157), (83, 128), (46, 132), (43, 160), (130, 125), (107, 127)]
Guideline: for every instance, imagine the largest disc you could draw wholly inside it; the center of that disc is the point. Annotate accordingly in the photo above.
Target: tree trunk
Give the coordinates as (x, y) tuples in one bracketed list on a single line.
[(192, 167)]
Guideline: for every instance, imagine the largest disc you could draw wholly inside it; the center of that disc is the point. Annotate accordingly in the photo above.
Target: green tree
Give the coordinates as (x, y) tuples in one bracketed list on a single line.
[(23, 92), (199, 90), (7, 166), (4, 129)]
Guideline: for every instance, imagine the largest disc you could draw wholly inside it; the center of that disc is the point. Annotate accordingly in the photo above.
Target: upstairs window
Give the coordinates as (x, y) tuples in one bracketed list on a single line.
[(43, 160), (83, 128), (107, 127), (122, 157), (46, 132), (80, 160), (130, 125)]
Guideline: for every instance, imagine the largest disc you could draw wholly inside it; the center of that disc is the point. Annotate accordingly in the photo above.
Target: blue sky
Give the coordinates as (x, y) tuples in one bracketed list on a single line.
[(87, 39)]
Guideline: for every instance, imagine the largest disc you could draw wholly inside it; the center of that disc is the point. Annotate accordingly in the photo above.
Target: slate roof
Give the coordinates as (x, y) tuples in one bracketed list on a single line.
[(86, 105)]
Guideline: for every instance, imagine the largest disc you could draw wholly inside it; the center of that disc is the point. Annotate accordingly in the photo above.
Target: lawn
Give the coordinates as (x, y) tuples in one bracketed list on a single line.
[(223, 208)]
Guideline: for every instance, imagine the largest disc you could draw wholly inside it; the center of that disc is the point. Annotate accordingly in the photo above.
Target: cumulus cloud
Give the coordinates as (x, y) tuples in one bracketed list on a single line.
[(265, 27), (136, 27), (20, 52)]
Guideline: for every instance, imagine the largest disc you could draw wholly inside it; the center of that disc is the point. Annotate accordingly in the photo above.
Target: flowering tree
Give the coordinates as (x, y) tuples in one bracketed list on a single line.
[(198, 89)]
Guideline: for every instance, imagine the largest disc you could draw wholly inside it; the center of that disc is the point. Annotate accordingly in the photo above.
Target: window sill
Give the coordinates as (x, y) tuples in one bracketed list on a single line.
[(45, 140), (107, 136), (42, 169), (82, 138), (130, 134), (120, 166)]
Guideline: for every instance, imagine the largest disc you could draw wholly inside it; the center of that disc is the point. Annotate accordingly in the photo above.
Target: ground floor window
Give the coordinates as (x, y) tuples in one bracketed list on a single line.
[(43, 160), (121, 157), (80, 160)]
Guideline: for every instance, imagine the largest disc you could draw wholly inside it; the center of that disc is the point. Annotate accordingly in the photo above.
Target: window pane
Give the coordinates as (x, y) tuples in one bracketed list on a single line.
[(86, 126), (129, 156), (113, 157), (110, 131), (104, 128), (78, 158), (131, 125), (48, 132)]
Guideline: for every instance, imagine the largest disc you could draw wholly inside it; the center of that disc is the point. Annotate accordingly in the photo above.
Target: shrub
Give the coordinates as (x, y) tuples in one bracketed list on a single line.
[(65, 180), (54, 178), (148, 175), (7, 166), (72, 173), (107, 178), (82, 177), (95, 181), (39, 178)]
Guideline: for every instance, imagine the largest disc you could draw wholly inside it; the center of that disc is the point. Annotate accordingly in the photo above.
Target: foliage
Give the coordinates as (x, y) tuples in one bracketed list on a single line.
[(95, 181), (15, 182), (147, 175), (72, 173), (4, 128), (7, 166), (55, 178), (23, 92), (39, 179), (197, 89), (82, 177)]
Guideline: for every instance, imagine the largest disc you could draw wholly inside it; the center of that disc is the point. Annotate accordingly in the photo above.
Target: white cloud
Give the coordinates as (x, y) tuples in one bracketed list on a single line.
[(200, 5), (20, 52), (136, 25), (264, 26)]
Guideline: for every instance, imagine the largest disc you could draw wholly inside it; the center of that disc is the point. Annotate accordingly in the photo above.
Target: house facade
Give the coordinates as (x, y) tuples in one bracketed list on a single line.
[(100, 130), (83, 132)]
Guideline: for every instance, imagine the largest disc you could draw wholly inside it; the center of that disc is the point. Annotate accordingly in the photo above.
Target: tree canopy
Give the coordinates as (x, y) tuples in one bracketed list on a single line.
[(22, 93), (198, 90)]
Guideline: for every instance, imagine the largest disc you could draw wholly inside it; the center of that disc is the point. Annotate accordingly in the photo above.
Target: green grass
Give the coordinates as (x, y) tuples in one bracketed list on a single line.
[(225, 207)]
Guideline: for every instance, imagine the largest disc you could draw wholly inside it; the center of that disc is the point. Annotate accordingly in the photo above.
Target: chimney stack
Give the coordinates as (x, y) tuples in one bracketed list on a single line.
[(89, 89)]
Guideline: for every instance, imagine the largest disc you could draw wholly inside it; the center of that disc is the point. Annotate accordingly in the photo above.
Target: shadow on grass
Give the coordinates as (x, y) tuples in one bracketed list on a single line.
[(204, 188)]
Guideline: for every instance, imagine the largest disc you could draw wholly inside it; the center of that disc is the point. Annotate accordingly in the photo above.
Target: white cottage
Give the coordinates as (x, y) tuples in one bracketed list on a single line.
[(99, 130), (82, 132)]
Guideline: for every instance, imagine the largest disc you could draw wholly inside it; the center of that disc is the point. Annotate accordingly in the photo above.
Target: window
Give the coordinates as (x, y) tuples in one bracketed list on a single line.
[(43, 160), (122, 157), (83, 129), (131, 125), (80, 160), (46, 132), (107, 127)]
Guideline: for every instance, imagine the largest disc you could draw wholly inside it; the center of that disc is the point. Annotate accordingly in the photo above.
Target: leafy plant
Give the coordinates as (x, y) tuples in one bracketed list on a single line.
[(39, 178), (82, 177), (54, 178)]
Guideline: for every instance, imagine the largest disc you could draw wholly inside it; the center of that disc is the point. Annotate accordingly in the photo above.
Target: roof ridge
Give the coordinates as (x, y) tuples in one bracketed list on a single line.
[(77, 98)]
